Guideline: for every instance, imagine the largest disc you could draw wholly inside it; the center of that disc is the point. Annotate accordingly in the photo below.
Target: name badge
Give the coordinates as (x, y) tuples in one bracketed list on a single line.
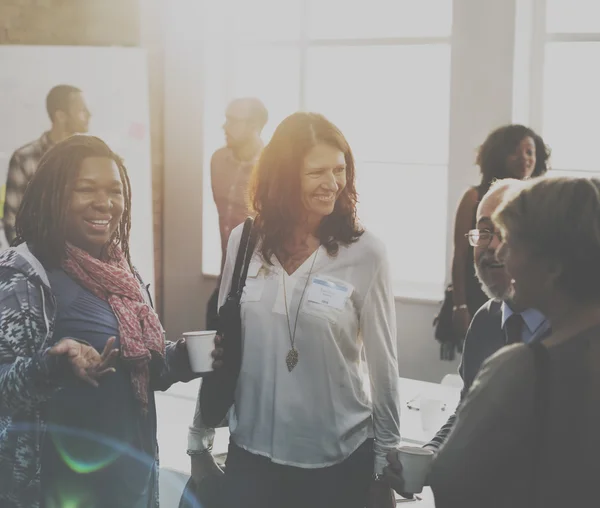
[(330, 293)]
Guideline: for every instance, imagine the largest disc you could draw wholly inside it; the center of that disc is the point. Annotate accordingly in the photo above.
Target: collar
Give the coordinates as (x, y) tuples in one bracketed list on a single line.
[(46, 141), (252, 161), (533, 318)]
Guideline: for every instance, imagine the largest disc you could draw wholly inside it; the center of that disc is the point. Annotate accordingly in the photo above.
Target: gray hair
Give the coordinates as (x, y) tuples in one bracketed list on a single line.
[(559, 219)]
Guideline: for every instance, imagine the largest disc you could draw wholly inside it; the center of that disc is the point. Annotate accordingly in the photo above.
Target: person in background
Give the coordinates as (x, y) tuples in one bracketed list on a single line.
[(230, 169), (500, 322), (511, 151), (527, 432), (70, 276), (304, 431), (69, 115)]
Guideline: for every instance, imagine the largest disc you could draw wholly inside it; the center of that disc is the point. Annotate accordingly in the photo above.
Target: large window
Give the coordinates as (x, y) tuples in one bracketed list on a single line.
[(380, 70), (570, 103)]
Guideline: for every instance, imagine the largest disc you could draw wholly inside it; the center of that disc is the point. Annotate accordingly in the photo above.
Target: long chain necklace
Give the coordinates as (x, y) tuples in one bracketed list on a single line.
[(291, 360)]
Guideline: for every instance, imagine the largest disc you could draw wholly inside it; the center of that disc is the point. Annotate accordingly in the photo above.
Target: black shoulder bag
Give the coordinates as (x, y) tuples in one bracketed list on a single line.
[(444, 328), (218, 388)]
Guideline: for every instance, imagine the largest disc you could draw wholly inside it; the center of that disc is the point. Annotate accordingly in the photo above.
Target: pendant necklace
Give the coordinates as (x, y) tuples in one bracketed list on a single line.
[(291, 360)]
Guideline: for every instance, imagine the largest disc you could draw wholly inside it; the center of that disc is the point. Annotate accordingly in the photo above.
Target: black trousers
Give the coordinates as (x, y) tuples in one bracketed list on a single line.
[(252, 481)]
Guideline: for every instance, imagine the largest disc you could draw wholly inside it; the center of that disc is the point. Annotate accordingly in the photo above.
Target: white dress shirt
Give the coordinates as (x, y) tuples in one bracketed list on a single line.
[(319, 413)]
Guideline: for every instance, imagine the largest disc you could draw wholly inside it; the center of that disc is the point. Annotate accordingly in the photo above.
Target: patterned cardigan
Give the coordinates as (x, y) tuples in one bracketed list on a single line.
[(29, 377)]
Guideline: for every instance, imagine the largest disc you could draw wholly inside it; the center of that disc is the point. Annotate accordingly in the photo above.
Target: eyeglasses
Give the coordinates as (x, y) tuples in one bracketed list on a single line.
[(482, 237)]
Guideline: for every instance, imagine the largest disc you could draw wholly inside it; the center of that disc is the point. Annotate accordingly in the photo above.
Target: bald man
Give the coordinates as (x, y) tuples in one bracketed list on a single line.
[(230, 170), (499, 322)]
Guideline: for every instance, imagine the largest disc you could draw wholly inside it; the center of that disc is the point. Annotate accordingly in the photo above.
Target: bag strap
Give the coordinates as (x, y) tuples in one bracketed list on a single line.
[(540, 408), (249, 252), (242, 261)]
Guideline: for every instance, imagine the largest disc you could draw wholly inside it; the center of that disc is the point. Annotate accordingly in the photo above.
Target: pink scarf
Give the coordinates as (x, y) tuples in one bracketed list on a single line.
[(140, 330)]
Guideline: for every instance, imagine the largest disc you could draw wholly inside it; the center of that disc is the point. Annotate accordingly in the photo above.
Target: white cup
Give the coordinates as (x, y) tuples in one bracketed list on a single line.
[(415, 467), (200, 345), (431, 413)]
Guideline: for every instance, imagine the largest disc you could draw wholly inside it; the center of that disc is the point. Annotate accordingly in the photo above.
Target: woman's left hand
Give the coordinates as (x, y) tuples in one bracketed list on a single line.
[(218, 353), (381, 495)]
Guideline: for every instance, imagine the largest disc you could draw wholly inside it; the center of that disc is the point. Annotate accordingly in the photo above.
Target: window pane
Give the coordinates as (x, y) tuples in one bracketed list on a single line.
[(572, 16), (272, 75), (332, 19), (406, 206), (266, 19), (575, 174), (571, 105), (393, 106)]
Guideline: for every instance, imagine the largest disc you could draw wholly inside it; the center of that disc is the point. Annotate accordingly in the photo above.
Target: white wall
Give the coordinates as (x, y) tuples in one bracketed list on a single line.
[(481, 99)]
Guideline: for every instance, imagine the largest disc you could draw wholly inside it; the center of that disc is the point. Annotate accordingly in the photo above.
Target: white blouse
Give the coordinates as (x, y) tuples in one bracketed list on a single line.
[(322, 411)]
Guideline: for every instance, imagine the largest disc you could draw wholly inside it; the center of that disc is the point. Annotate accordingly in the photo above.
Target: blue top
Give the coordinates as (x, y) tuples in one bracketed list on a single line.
[(535, 322), (112, 463)]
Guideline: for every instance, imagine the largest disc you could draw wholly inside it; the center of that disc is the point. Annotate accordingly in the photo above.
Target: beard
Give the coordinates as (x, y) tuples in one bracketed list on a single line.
[(495, 285)]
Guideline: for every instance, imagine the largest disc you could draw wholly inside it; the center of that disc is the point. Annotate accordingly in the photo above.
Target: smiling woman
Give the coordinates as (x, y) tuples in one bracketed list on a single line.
[(71, 264), (96, 206), (318, 301), (84, 190)]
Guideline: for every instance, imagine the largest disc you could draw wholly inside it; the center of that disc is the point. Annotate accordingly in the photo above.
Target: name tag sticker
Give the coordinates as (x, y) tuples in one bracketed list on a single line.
[(330, 293)]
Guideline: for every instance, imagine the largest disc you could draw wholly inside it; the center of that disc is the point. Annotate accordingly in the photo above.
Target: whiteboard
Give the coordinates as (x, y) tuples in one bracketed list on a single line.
[(114, 82)]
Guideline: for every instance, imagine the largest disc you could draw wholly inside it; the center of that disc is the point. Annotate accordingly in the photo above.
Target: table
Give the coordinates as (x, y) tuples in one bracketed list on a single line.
[(175, 409)]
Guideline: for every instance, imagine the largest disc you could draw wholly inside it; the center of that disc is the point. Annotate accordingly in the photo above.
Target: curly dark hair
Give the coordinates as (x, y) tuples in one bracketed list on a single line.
[(275, 194), (501, 143), (41, 220)]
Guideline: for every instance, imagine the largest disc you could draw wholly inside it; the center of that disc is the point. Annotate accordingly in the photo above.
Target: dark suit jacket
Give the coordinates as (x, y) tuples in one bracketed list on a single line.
[(484, 337)]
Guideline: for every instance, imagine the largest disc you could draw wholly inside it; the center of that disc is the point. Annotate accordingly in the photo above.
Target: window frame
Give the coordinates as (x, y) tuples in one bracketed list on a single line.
[(304, 44), (540, 38)]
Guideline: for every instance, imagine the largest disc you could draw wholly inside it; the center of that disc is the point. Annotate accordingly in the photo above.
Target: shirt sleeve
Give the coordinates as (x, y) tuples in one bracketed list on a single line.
[(378, 329), (16, 183), (438, 440), (200, 436), (491, 425), (26, 381)]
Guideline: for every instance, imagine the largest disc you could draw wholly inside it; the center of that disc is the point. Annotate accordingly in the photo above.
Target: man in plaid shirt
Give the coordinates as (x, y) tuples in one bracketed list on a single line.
[(69, 115)]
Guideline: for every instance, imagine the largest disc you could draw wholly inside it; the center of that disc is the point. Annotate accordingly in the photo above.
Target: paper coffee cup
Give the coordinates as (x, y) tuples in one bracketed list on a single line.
[(200, 346), (415, 467)]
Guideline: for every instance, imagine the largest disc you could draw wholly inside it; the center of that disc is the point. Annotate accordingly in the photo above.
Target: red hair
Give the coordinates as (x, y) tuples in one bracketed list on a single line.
[(275, 189)]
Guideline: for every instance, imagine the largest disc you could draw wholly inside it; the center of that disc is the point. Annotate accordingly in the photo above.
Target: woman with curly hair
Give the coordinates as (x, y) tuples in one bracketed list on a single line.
[(304, 429), (511, 151), (81, 348)]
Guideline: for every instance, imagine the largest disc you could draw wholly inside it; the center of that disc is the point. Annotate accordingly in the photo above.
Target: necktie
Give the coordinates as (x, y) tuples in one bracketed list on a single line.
[(514, 329)]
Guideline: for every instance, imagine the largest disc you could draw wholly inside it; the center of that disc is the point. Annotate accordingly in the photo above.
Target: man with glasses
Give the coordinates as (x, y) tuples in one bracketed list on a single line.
[(499, 322)]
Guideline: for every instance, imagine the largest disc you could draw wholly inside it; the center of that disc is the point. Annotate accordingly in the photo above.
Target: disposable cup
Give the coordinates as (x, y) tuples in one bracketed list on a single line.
[(415, 467), (200, 346)]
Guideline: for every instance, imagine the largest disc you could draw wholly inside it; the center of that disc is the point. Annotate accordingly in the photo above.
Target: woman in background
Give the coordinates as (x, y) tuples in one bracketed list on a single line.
[(511, 151), (71, 275)]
